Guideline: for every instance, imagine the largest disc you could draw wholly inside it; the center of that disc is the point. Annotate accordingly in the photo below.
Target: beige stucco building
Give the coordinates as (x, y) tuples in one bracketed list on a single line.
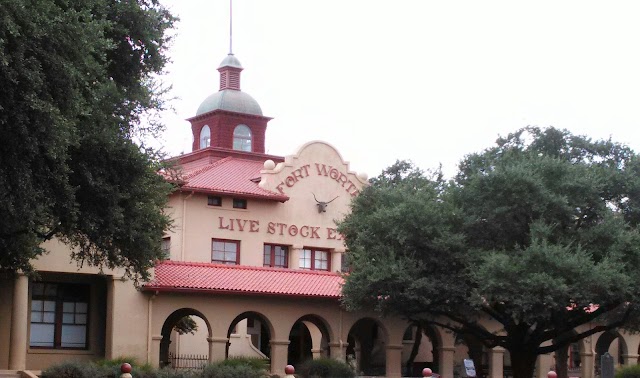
[(254, 260)]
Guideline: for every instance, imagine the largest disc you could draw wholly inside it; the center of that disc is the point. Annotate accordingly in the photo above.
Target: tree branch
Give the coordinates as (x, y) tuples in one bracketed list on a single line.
[(489, 339), (579, 336), (579, 319)]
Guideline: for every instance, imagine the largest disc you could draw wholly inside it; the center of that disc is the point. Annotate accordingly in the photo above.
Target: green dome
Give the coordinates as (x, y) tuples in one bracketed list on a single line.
[(230, 61), (231, 100)]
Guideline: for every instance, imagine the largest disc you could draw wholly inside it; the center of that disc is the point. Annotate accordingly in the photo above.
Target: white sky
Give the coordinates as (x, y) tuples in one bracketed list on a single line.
[(428, 81)]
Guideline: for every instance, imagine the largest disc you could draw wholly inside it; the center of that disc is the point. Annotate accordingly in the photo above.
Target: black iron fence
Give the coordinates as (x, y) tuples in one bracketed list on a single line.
[(188, 361)]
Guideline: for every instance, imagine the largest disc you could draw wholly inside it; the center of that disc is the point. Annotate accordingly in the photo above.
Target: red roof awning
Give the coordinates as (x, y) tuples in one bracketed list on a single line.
[(229, 175), (175, 276)]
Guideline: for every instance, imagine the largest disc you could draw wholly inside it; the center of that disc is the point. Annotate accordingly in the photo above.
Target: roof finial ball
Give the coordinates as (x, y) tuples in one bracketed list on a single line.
[(269, 165), (289, 371), (426, 372), (125, 369), (552, 374)]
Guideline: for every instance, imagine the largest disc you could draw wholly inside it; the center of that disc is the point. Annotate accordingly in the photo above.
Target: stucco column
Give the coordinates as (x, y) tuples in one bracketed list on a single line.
[(154, 358), (336, 259), (394, 361), (587, 364), (358, 356), (19, 323), (630, 359), (279, 353), (338, 351), (294, 259), (109, 326), (543, 365), (496, 363), (217, 348), (445, 363)]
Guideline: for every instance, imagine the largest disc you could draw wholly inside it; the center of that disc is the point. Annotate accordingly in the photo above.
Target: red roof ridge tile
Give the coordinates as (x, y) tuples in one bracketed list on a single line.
[(209, 166), (248, 267)]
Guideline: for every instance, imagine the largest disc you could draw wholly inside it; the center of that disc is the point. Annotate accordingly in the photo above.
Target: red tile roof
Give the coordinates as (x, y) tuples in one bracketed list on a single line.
[(229, 175), (176, 276)]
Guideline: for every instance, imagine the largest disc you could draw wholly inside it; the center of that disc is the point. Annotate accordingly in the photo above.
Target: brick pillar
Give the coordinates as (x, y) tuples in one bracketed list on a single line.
[(294, 259), (543, 365), (338, 351), (217, 348), (154, 358), (587, 364), (446, 361), (394, 361), (496, 363), (19, 323), (336, 259), (630, 359), (279, 353)]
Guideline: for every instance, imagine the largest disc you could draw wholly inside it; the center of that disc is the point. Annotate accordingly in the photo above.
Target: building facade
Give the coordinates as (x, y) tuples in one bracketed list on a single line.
[(254, 261)]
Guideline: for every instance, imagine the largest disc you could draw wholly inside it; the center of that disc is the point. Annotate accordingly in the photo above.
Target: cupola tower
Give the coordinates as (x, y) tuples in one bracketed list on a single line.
[(229, 118)]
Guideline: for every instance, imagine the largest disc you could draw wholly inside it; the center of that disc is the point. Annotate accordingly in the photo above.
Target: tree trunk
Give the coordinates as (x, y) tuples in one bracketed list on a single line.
[(562, 359), (523, 362), (414, 351)]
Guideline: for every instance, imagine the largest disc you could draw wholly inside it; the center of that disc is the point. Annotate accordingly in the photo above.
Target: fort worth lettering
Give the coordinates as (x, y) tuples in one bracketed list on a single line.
[(321, 170)]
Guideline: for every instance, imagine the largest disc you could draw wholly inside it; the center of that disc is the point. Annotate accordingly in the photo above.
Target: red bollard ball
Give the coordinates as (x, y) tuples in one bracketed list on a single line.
[(289, 369), (552, 374), (426, 372), (125, 368)]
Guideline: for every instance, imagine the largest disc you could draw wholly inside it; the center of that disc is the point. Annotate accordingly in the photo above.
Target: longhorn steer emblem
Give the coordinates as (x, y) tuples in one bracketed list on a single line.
[(322, 206)]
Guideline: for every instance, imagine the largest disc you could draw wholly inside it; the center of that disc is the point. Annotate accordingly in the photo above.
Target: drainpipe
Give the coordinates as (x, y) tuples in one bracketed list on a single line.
[(341, 341), (184, 224), (149, 325)]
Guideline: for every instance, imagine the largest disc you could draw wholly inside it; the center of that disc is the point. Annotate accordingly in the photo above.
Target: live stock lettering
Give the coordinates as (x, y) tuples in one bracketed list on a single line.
[(321, 170), (276, 228)]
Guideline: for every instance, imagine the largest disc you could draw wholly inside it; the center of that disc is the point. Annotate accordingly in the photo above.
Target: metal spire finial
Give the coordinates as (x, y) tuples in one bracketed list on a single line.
[(230, 27)]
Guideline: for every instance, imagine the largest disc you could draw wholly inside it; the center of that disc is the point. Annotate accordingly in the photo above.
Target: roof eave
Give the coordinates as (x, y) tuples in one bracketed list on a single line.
[(222, 152), (166, 289), (274, 197), (221, 111)]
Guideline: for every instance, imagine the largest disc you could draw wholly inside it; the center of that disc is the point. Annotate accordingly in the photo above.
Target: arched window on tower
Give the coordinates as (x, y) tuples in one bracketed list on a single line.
[(242, 138), (205, 137)]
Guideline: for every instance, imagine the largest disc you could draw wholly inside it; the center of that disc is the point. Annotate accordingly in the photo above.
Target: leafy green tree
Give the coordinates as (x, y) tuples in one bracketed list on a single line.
[(77, 79), (538, 233), (186, 325)]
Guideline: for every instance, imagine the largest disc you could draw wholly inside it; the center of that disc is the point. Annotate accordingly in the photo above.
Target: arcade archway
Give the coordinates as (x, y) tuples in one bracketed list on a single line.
[(470, 347), (613, 343), (308, 339), (184, 321), (420, 350), (367, 339), (249, 335)]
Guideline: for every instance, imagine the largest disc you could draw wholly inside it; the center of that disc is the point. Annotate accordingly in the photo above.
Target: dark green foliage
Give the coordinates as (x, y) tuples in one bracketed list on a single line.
[(233, 371), (186, 325), (231, 368), (325, 368), (169, 373), (632, 371), (72, 370), (77, 78), (111, 368), (254, 363), (539, 232)]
